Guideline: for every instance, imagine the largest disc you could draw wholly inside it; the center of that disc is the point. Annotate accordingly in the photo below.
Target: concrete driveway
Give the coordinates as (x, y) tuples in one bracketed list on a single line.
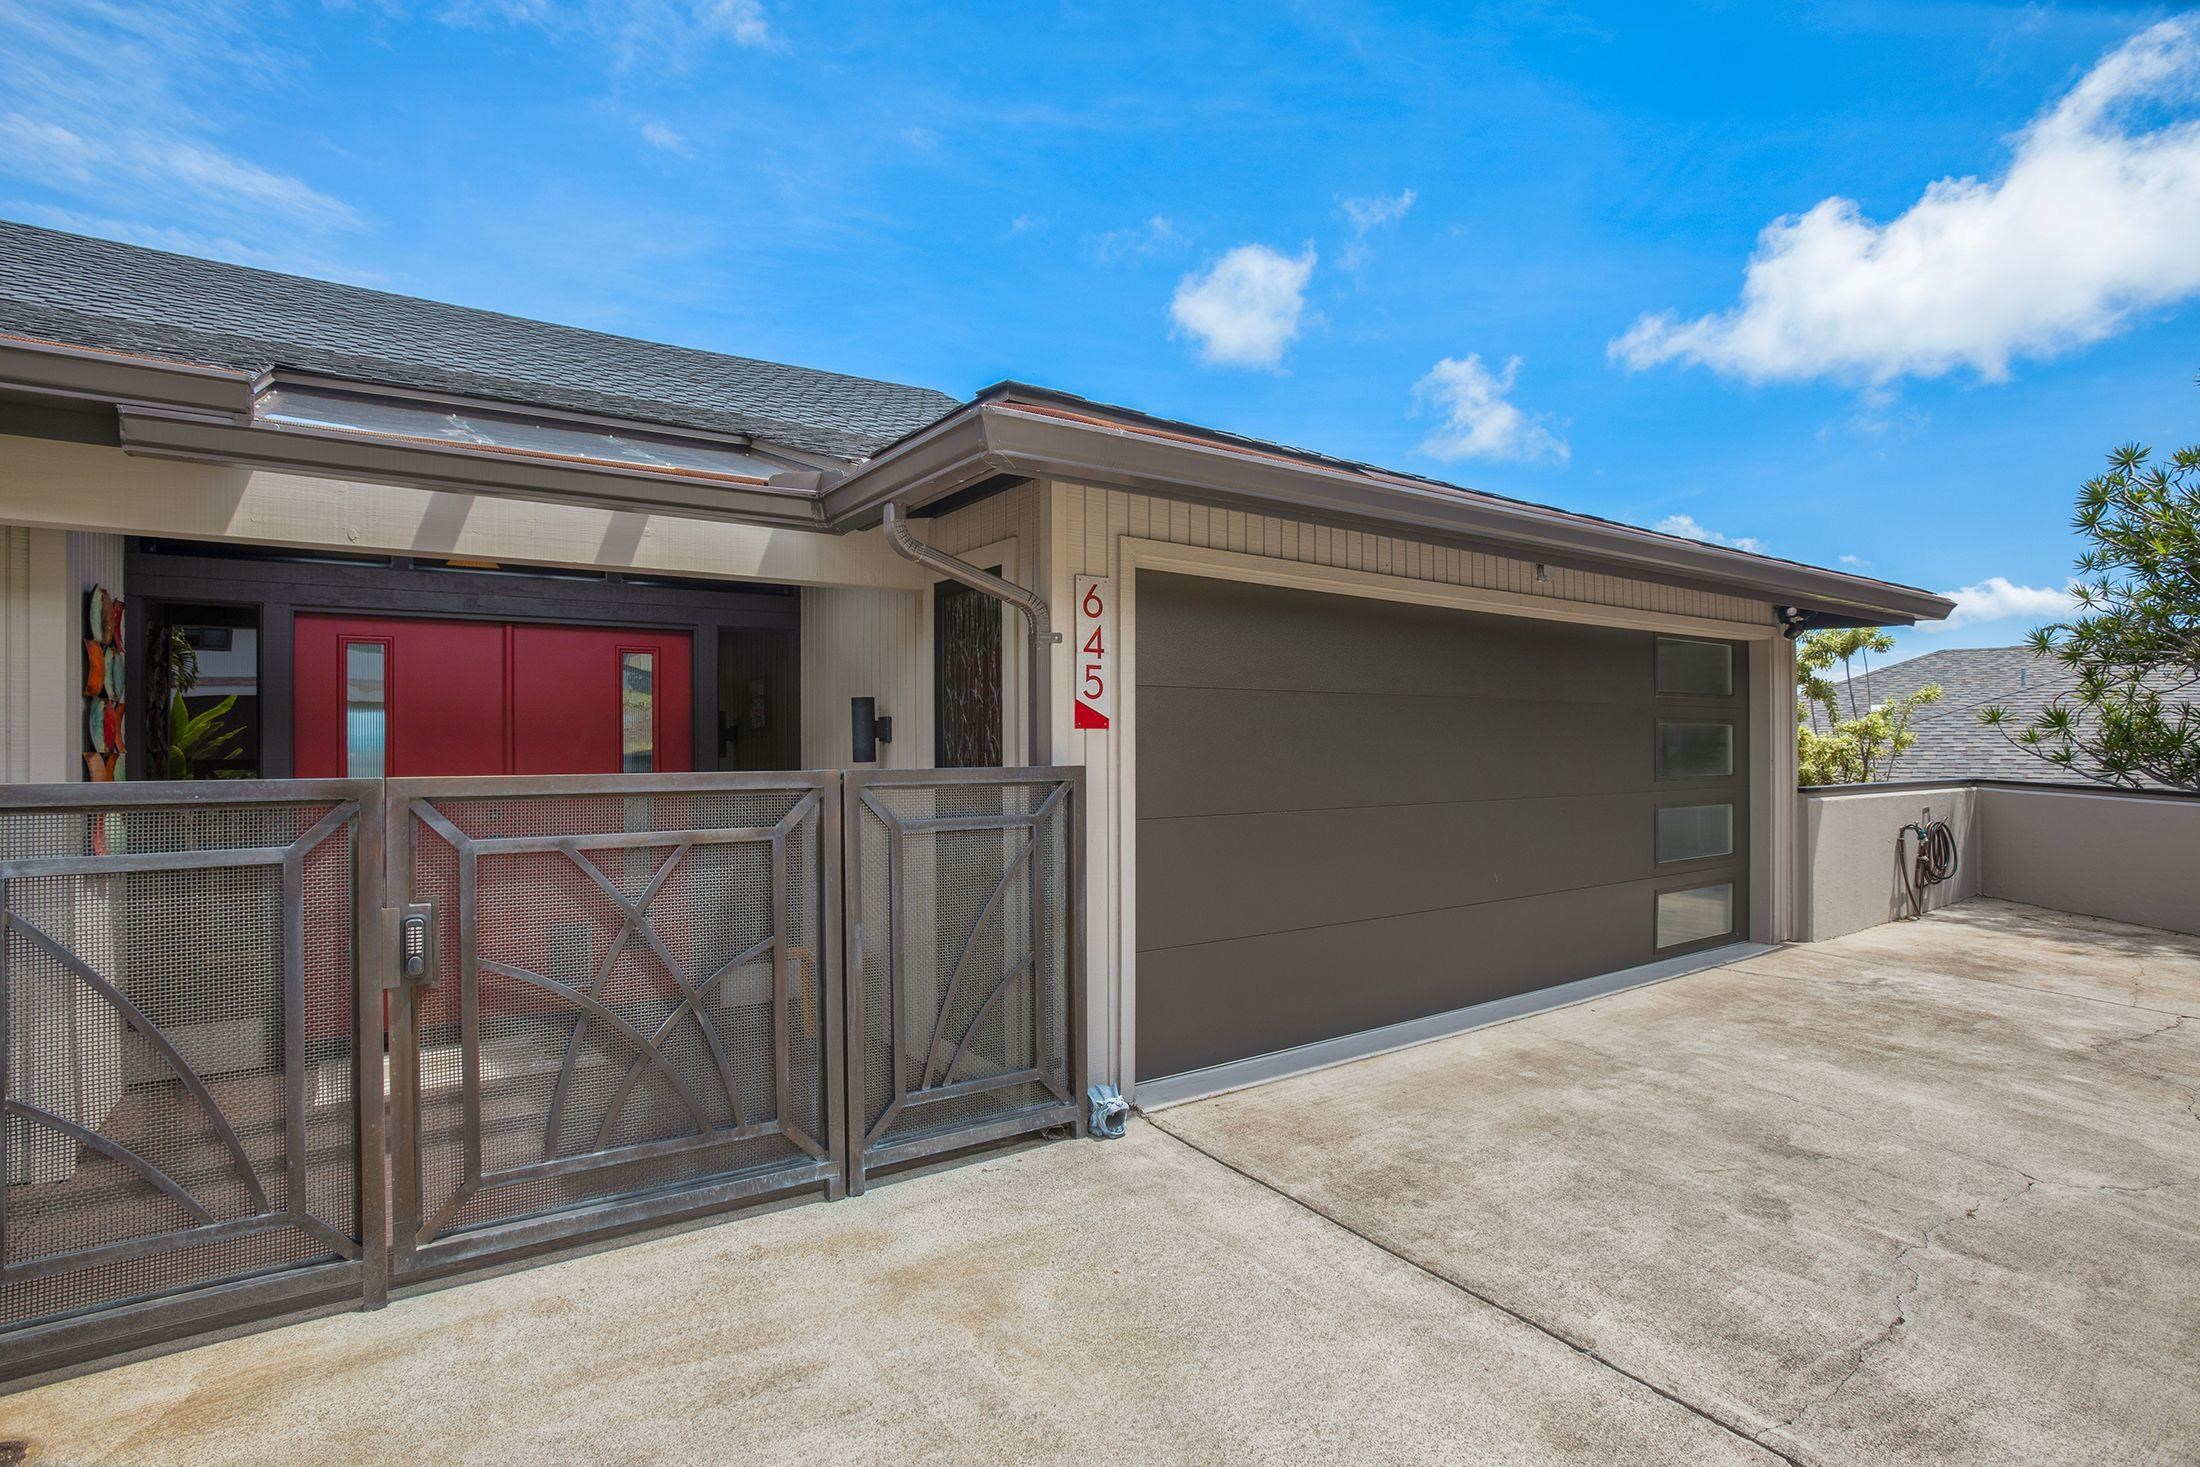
[(1925, 1194), (1930, 1193)]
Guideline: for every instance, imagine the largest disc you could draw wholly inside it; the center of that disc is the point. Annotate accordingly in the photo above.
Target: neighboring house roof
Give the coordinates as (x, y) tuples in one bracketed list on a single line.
[(1951, 742), (84, 292)]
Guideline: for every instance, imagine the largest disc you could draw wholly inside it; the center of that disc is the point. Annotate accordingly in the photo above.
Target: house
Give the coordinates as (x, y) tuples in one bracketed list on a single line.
[(1951, 741), (1366, 754)]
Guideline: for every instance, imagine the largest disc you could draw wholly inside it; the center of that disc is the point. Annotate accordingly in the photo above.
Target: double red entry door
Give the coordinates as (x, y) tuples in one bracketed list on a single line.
[(383, 697)]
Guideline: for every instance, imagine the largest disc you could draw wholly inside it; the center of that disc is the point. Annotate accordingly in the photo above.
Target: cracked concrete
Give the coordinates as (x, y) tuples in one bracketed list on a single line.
[(1928, 1193), (1925, 1194)]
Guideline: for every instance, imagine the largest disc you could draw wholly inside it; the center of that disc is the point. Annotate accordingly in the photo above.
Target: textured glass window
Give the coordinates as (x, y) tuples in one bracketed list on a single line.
[(1695, 914), (637, 712), (1692, 832), (366, 709), (1695, 750), (1695, 669)]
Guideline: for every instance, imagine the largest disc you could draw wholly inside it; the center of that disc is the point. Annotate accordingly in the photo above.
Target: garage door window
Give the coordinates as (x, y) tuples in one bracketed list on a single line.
[(1697, 913), (1694, 669), (1694, 832), (1695, 750)]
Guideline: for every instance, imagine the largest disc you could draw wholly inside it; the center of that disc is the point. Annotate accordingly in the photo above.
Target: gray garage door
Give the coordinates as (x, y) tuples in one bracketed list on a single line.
[(1353, 813)]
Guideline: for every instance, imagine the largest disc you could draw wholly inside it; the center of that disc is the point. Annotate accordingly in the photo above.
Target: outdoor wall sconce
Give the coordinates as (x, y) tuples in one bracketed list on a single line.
[(868, 730)]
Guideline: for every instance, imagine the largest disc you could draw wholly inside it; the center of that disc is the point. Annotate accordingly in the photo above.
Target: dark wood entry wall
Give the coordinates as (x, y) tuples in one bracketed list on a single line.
[(966, 676), (756, 626)]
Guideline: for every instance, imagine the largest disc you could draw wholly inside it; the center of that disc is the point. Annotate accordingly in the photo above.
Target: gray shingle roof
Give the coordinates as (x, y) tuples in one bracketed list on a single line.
[(1951, 742), (97, 293)]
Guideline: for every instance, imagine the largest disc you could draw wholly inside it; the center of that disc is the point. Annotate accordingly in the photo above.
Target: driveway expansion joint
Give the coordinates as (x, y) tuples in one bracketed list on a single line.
[(1549, 1331)]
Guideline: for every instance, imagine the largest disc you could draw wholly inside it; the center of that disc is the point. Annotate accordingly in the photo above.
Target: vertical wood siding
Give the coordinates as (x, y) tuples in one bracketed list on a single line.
[(43, 577), (858, 642)]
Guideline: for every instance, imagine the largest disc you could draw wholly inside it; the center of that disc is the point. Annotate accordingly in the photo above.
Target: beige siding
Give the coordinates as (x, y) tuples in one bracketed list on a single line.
[(858, 642), (1085, 528), (862, 643), (43, 577)]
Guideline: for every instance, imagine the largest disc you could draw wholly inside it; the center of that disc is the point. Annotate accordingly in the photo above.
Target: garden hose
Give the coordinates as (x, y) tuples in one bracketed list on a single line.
[(1934, 862)]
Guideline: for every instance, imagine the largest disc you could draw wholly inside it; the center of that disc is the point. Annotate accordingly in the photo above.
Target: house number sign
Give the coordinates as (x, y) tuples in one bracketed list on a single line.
[(1094, 697)]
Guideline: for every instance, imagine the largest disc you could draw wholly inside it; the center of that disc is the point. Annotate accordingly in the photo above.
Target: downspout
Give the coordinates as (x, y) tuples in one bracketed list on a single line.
[(1030, 603)]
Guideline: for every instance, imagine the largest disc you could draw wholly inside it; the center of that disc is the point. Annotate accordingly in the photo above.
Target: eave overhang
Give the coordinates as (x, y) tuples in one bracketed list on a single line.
[(1028, 433), (180, 410), (504, 473)]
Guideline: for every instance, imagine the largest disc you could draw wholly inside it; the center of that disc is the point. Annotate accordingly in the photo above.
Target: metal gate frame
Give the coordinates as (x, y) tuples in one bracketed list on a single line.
[(387, 1245), (865, 1156), (417, 1252), (77, 1339)]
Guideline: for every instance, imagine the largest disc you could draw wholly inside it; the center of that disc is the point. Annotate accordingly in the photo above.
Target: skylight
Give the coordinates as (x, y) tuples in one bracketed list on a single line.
[(491, 430)]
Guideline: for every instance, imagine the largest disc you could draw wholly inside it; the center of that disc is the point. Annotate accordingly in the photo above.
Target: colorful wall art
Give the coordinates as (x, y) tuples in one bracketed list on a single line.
[(103, 716)]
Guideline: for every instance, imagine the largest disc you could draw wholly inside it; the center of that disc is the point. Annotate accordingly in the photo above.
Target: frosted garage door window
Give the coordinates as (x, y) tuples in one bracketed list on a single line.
[(1695, 669), (1692, 832), (1695, 750), (1695, 914)]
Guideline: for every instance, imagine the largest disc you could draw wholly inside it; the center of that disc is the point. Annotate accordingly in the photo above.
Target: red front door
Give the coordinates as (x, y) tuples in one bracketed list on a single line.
[(388, 697)]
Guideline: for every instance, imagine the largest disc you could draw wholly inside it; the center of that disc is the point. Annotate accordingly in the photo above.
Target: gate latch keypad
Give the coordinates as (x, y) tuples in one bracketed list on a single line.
[(416, 945)]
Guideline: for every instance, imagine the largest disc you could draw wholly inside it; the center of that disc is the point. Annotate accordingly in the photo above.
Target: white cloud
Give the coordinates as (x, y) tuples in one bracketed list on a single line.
[(743, 20), (97, 110), (1479, 419), (1685, 526), (1246, 307), (1022, 223), (1856, 562), (657, 135), (2096, 217), (1156, 234), (1997, 597), (659, 34), (1373, 213)]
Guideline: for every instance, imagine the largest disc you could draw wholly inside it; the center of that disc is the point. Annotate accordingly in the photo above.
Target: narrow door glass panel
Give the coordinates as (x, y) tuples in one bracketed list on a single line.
[(1693, 832), (637, 712), (1695, 750), (1695, 914), (1689, 669), (366, 709)]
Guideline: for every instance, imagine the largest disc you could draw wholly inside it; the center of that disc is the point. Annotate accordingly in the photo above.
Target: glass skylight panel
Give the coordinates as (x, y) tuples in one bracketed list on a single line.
[(482, 428)]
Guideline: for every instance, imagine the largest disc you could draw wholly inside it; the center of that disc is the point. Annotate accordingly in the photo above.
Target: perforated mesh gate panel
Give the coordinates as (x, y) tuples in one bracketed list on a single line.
[(633, 1011), (633, 1007), (964, 975), (177, 1032)]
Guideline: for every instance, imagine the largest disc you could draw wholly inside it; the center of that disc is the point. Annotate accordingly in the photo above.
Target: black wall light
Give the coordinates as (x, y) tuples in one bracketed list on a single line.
[(867, 730)]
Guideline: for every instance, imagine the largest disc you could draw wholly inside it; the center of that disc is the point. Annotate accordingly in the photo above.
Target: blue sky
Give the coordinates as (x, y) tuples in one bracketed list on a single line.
[(1592, 256)]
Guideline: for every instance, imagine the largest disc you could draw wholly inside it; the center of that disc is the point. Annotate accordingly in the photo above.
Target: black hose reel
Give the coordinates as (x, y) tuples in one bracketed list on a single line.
[(1933, 860)]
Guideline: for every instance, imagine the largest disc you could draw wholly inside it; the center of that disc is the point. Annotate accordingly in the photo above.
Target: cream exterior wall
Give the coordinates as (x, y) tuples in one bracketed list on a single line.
[(859, 642), (43, 577), (1096, 531)]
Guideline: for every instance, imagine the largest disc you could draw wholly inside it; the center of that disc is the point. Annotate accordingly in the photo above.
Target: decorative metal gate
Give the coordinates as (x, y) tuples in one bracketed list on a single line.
[(612, 1001), (627, 1009), (965, 937), (179, 1037)]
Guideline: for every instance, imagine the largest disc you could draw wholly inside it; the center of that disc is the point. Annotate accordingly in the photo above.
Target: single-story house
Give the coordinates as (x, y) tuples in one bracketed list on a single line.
[(1363, 751)]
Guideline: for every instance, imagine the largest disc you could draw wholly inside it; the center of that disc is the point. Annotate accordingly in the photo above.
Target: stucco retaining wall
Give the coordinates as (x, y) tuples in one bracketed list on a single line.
[(2095, 852)]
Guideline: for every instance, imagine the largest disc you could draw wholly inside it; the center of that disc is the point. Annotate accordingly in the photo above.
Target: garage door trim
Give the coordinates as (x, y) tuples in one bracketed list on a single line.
[(1770, 819)]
